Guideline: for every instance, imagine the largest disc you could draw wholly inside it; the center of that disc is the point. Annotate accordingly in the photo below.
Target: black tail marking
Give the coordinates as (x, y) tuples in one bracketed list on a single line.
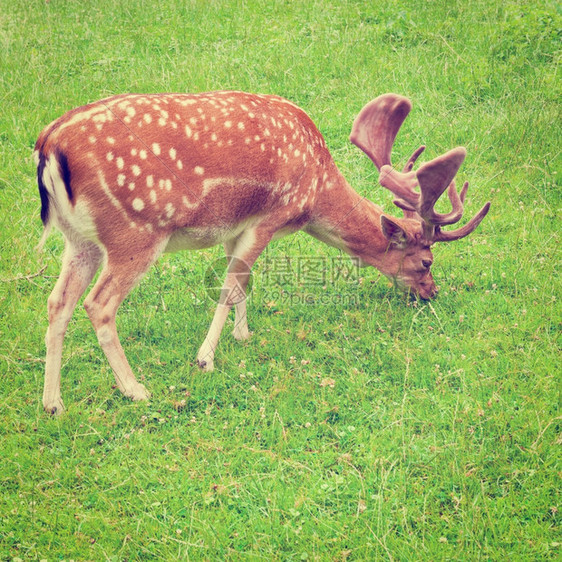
[(43, 193), (65, 172)]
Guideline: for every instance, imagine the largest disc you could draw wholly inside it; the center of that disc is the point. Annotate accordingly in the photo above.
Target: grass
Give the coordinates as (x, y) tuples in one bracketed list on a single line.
[(355, 424)]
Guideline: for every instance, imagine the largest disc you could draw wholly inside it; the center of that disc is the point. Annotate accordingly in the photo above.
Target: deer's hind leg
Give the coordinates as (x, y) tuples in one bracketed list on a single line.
[(120, 274), (80, 262)]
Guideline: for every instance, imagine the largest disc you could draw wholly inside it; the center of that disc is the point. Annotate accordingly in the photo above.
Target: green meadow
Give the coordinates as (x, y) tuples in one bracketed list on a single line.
[(356, 423)]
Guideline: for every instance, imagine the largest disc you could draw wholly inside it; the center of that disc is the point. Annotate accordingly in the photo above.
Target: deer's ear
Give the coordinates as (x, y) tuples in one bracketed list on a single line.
[(393, 232)]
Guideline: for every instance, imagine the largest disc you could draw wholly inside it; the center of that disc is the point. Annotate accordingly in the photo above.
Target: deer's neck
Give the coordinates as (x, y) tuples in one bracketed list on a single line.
[(345, 220)]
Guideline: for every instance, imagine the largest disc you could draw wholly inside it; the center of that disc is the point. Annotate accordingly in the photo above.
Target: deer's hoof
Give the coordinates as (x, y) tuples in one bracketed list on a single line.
[(206, 365), (141, 393), (241, 334), (137, 393), (54, 407)]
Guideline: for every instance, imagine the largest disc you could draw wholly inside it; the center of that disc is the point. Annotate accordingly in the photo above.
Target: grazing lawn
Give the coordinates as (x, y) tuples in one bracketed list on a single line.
[(356, 423)]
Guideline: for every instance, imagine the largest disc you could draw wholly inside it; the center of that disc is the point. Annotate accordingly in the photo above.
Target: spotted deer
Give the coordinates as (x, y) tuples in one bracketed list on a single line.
[(132, 176)]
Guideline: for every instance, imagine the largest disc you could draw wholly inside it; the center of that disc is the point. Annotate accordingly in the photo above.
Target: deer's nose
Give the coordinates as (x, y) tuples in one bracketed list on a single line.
[(427, 290)]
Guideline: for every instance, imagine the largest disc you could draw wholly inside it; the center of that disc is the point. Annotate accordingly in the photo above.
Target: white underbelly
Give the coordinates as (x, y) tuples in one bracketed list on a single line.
[(197, 238)]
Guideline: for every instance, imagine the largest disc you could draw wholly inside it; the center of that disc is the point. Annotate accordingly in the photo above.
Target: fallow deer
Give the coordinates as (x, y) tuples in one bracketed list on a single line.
[(132, 176)]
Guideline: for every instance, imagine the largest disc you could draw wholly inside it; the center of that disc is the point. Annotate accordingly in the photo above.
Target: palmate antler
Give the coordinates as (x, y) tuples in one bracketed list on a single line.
[(374, 131)]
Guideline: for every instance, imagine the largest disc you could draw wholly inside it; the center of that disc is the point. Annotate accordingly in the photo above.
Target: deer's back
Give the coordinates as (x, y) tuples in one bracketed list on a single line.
[(172, 161)]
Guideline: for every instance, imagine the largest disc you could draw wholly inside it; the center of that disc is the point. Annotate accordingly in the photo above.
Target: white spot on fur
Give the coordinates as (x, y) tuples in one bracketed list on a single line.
[(136, 170), (132, 185), (188, 131), (180, 165), (121, 180), (199, 170), (138, 204), (170, 210), (110, 156), (156, 148), (99, 118), (142, 154), (120, 163), (116, 203), (168, 185), (149, 181), (152, 196), (173, 153), (286, 198)]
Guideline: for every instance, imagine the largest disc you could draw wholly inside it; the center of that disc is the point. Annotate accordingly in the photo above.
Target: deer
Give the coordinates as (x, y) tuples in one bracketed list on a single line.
[(132, 176)]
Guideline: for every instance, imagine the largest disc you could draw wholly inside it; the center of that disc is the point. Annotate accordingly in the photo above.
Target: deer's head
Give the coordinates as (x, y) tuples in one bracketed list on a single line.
[(409, 256)]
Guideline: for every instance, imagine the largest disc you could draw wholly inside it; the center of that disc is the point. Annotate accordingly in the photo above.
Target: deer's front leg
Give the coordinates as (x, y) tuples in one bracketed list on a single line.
[(244, 252), (240, 331), (233, 292), (206, 354), (79, 265)]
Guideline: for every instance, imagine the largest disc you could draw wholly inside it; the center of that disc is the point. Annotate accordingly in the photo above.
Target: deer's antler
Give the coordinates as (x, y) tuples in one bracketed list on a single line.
[(374, 132)]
